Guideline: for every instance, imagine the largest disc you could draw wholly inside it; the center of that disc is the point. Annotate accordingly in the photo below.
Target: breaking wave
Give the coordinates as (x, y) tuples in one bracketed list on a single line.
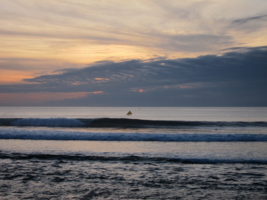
[(58, 122), (15, 133), (121, 123)]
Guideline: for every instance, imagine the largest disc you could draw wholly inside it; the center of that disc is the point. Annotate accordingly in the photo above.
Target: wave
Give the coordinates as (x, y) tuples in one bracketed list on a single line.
[(121, 123), (129, 158), (51, 122), (92, 136)]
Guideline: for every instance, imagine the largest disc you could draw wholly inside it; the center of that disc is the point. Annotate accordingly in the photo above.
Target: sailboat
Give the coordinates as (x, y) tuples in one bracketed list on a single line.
[(129, 113)]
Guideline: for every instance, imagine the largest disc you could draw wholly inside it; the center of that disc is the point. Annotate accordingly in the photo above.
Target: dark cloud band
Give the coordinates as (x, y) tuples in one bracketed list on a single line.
[(237, 78)]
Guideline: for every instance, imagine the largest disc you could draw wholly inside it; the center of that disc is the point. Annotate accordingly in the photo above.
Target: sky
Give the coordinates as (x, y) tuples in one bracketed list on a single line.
[(133, 53)]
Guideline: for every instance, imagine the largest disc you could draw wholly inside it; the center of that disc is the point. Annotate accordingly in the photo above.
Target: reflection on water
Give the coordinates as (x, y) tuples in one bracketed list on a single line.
[(184, 150)]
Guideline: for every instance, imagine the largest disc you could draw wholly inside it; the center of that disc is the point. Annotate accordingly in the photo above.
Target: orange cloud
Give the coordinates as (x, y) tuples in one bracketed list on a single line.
[(78, 83), (101, 79), (96, 92), (6, 98), (12, 77), (141, 90), (138, 90)]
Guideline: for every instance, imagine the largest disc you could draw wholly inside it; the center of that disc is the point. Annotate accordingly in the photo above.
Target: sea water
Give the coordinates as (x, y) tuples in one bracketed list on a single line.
[(156, 153)]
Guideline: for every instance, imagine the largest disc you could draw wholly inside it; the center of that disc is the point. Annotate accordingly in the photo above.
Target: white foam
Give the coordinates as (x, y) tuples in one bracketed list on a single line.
[(40, 134)]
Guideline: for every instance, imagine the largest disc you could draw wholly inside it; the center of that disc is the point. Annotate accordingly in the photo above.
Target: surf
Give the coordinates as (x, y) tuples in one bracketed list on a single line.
[(122, 123), (50, 134)]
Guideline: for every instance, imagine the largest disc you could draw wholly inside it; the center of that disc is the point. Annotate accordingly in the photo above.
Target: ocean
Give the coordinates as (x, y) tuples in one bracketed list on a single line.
[(155, 153)]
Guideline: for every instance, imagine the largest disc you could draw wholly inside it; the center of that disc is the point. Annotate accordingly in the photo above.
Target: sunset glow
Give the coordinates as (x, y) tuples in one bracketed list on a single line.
[(43, 96), (55, 39)]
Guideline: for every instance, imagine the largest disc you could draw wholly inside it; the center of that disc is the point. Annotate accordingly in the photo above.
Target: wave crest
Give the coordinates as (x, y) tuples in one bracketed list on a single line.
[(51, 122), (122, 123)]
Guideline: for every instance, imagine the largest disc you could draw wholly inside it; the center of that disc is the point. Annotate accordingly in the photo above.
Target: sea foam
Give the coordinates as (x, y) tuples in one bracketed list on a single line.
[(17, 133)]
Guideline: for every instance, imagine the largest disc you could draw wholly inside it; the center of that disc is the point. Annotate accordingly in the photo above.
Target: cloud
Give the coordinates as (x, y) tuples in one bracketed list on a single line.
[(158, 26), (237, 78), (47, 43), (39, 98), (249, 19), (252, 28)]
